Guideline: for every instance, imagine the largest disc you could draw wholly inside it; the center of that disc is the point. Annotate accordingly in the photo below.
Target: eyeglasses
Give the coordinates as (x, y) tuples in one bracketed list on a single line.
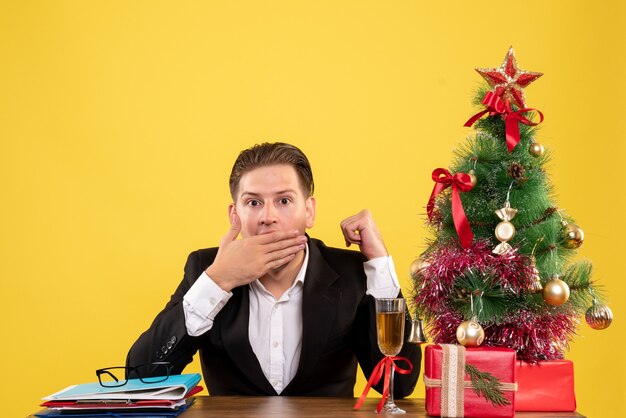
[(112, 377)]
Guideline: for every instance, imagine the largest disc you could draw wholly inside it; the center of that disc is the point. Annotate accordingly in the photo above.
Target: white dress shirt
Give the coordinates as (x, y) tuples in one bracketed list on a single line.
[(275, 325)]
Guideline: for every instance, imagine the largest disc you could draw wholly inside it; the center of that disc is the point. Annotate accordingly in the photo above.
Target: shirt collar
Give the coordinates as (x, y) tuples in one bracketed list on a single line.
[(302, 273)]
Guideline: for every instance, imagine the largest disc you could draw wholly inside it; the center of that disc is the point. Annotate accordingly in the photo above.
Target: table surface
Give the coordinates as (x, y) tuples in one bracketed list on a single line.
[(279, 406), (301, 407)]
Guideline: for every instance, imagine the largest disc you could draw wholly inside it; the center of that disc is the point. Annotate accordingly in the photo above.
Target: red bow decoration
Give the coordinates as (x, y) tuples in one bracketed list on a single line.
[(383, 367), (496, 106), (459, 182)]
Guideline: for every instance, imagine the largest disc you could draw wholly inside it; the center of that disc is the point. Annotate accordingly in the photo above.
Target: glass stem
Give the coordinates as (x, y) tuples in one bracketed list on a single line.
[(390, 397)]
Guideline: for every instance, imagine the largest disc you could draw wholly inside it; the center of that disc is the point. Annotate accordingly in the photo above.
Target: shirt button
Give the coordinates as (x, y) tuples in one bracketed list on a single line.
[(212, 301), (276, 344)]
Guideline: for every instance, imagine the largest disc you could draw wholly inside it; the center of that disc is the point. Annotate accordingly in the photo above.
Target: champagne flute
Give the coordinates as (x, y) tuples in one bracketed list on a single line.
[(390, 335)]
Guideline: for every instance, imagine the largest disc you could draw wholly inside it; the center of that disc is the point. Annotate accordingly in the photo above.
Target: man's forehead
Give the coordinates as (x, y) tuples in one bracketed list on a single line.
[(272, 179)]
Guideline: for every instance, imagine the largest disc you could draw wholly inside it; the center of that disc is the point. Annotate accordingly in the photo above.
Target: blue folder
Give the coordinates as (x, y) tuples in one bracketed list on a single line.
[(165, 413), (174, 388)]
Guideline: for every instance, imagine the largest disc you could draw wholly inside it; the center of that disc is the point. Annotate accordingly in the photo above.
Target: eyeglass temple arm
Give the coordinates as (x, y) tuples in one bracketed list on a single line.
[(101, 372)]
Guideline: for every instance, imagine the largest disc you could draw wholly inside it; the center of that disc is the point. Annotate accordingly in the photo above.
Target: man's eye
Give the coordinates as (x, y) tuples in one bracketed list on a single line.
[(253, 203), (285, 201)]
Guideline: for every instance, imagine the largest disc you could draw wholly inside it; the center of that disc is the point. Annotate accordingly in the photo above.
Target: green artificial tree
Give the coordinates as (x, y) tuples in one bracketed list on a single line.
[(499, 266)]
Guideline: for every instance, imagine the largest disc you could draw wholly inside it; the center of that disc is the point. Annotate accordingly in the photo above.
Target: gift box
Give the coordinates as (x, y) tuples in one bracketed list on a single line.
[(449, 388), (546, 386)]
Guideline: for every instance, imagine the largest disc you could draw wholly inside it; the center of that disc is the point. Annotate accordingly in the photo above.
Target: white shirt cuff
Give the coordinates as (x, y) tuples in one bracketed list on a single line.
[(201, 304), (382, 281)]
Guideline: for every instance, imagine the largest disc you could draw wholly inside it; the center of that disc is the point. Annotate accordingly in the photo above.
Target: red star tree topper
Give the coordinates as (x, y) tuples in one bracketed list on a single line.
[(508, 81)]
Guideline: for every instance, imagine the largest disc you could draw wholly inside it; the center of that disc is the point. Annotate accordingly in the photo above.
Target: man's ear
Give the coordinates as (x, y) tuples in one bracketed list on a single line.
[(310, 212), (232, 212)]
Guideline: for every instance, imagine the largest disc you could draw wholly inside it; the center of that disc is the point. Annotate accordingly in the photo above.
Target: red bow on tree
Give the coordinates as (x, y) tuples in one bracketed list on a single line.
[(496, 106), (459, 182)]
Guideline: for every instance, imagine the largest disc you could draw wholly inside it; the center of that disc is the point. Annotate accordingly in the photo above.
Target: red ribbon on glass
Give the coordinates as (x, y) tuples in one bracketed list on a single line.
[(383, 367), (459, 182), (496, 106)]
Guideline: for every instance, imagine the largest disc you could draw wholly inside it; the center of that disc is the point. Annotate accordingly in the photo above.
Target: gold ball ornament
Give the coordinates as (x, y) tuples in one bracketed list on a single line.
[(418, 265), (555, 291), (536, 149), (473, 179), (599, 316), (573, 236), (470, 333)]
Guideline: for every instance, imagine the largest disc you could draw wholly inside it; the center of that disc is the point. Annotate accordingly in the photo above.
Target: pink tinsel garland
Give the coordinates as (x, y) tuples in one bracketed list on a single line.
[(535, 336)]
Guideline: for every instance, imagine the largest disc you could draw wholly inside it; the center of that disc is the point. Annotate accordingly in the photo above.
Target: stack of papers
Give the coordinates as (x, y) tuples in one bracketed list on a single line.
[(135, 399)]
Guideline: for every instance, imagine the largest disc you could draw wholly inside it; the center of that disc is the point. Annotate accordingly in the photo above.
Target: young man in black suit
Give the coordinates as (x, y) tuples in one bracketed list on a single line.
[(277, 312)]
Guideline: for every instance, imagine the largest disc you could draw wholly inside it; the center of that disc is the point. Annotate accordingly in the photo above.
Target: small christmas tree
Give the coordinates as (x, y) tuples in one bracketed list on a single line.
[(499, 266)]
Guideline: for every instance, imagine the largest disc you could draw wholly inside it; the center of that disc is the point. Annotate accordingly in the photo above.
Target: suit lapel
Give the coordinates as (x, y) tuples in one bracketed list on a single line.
[(319, 306), (236, 342)]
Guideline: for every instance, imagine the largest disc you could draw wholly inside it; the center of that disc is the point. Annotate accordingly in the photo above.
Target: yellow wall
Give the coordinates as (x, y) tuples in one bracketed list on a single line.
[(119, 121)]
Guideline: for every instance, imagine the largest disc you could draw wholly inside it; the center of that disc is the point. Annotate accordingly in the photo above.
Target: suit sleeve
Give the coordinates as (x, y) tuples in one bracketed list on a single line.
[(368, 354), (167, 338)]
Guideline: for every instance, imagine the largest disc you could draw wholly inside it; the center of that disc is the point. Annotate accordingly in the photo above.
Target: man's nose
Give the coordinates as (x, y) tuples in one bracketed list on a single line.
[(268, 216)]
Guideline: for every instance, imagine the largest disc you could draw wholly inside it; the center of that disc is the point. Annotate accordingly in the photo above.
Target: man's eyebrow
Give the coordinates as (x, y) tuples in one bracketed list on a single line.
[(254, 194), (286, 191)]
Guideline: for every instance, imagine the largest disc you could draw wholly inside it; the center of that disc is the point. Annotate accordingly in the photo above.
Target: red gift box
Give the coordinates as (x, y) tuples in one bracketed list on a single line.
[(499, 362), (547, 386)]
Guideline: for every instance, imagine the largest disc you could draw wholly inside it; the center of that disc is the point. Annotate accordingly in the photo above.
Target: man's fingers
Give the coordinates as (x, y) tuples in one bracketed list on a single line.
[(285, 252), (274, 237), (351, 231), (281, 252), (351, 236), (279, 262), (298, 241), (360, 229)]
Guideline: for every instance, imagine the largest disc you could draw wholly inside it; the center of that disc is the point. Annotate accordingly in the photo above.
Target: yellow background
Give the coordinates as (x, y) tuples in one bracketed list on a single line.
[(120, 120)]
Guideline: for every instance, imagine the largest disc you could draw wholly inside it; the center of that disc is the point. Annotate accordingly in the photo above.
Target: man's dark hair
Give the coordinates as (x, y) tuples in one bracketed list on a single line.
[(266, 154)]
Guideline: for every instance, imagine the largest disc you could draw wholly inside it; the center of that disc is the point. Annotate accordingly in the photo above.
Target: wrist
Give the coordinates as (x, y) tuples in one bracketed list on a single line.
[(377, 253), (218, 279)]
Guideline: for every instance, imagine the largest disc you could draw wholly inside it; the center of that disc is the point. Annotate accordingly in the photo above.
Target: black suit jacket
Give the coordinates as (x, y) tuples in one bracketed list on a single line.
[(339, 329)]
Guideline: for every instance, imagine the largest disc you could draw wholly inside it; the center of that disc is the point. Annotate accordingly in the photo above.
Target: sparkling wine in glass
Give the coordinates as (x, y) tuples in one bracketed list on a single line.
[(390, 334)]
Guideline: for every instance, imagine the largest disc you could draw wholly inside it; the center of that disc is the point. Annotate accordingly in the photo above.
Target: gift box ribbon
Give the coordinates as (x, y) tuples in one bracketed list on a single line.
[(383, 367), (453, 383)]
